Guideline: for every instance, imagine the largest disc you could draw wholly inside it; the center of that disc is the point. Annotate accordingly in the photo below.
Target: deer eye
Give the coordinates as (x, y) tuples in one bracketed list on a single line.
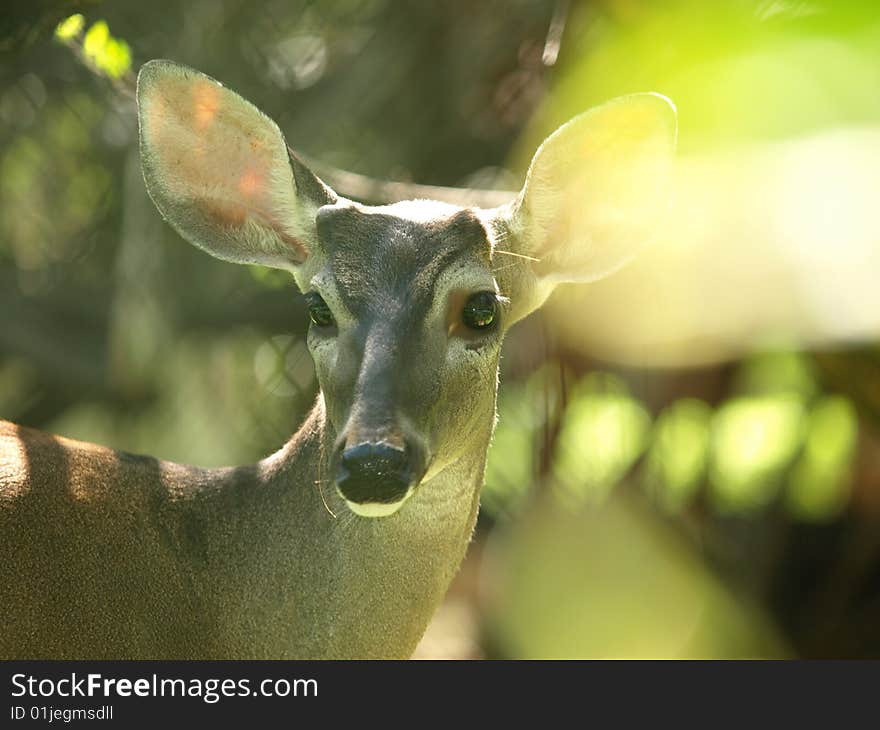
[(319, 312), (480, 310)]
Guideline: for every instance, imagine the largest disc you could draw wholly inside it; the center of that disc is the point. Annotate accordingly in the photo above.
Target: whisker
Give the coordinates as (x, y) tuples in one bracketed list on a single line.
[(518, 255), (320, 483)]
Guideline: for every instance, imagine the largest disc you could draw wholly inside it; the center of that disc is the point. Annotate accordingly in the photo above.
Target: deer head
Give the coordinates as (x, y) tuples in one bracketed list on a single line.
[(409, 302)]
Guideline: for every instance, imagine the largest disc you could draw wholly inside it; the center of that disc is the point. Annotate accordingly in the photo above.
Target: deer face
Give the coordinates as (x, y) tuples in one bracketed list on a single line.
[(408, 306), (407, 321)]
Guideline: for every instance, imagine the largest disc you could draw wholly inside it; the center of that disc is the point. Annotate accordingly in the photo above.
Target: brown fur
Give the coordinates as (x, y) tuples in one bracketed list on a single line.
[(116, 556)]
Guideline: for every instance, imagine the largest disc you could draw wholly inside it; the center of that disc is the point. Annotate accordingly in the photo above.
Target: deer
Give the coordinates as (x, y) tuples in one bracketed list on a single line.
[(343, 543)]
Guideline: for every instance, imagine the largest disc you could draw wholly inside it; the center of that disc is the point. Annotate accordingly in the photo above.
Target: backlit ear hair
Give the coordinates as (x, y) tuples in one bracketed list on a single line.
[(596, 190), (220, 172)]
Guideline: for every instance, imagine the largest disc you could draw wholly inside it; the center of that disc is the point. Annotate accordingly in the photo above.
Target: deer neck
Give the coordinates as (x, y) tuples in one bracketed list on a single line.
[(343, 585)]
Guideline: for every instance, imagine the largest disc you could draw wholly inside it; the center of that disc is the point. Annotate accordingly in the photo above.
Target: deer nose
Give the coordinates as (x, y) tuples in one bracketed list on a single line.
[(375, 478)]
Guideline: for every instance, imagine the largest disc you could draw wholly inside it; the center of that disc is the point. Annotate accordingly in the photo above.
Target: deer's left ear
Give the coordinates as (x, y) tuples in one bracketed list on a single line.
[(595, 193)]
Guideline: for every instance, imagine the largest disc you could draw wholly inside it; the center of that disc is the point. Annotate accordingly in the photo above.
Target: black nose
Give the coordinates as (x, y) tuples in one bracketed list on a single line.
[(374, 473)]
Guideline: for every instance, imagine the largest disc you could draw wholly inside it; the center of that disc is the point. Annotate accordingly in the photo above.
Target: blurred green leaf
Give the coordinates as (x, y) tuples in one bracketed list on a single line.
[(70, 27), (110, 55), (604, 431), (753, 440), (679, 452), (613, 582), (819, 482)]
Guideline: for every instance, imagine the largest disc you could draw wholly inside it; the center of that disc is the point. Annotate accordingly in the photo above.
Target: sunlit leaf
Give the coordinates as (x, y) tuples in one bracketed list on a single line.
[(70, 27), (753, 440), (111, 55), (96, 39), (603, 432)]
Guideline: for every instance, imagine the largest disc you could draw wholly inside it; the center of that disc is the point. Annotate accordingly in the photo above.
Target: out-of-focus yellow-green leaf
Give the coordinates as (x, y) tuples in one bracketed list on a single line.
[(70, 27), (679, 452), (111, 55), (96, 39), (818, 485), (603, 433), (612, 582), (753, 441)]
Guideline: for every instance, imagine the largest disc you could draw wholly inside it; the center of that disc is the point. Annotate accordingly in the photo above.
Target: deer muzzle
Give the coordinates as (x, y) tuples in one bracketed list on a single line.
[(375, 479)]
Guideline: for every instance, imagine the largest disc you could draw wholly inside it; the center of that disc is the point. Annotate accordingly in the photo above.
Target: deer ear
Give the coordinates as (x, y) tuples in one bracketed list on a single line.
[(596, 190), (219, 171)]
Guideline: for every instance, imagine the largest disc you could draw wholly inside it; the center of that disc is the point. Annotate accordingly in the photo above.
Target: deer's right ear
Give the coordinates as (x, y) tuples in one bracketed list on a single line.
[(220, 172)]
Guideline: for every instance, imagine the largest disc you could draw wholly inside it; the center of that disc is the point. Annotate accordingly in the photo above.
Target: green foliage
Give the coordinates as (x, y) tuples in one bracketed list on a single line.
[(753, 440), (109, 55), (776, 438), (614, 582), (70, 183), (603, 432), (70, 27), (819, 482), (737, 70), (679, 453)]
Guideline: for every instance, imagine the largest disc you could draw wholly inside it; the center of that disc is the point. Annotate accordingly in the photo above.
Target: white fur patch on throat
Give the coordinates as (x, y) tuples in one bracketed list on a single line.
[(377, 509)]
